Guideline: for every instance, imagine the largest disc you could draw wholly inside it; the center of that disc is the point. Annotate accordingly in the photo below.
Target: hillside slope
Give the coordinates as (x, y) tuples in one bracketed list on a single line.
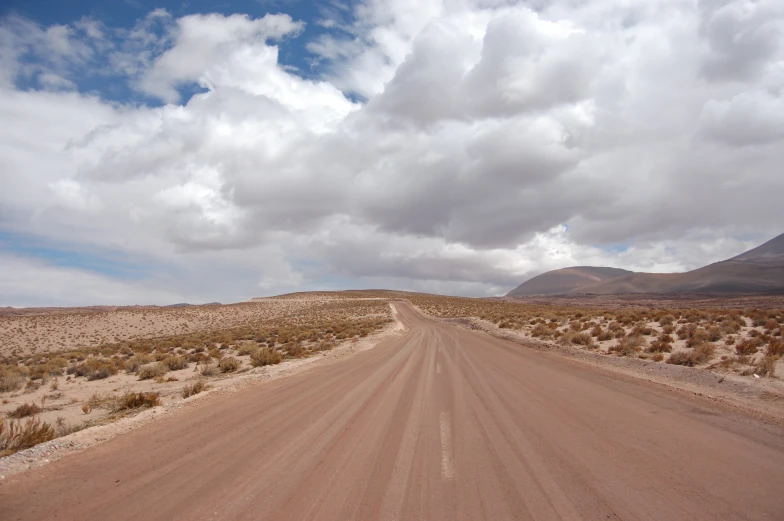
[(760, 270), (566, 280)]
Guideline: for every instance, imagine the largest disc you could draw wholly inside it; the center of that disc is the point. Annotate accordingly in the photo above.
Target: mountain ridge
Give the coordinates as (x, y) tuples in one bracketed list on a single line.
[(759, 270)]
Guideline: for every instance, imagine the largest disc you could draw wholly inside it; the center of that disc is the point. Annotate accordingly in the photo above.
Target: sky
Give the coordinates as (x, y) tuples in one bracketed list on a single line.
[(208, 150)]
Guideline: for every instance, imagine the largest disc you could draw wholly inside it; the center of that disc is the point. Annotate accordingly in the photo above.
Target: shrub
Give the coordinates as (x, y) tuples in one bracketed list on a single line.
[(294, 350), (775, 347), (628, 346), (15, 436), (194, 388), (208, 370), (149, 371), (700, 354), (604, 335), (746, 347), (657, 357), (94, 369), (41, 371), (26, 409), (131, 400), (265, 356), (698, 337), (11, 378), (659, 346), (247, 349), (133, 364), (541, 330), (767, 366), (229, 365), (175, 363)]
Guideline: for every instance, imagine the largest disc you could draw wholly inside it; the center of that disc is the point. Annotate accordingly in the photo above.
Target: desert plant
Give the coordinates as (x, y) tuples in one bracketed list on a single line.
[(746, 347), (149, 371), (12, 378), (265, 356), (229, 364), (132, 400), (701, 353), (775, 347), (194, 388), (767, 366), (628, 346), (16, 436), (133, 364), (208, 370), (175, 363), (26, 409)]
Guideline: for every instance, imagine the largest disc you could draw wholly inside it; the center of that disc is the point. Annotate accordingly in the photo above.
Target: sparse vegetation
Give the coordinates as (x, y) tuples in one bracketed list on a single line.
[(194, 388), (229, 364), (16, 435), (265, 356), (24, 410)]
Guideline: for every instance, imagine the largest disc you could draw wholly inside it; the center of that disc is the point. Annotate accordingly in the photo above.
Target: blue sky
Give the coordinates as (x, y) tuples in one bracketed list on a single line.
[(121, 15)]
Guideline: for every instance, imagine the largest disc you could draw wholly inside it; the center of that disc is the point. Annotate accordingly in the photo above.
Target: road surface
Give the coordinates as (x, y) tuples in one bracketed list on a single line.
[(439, 423)]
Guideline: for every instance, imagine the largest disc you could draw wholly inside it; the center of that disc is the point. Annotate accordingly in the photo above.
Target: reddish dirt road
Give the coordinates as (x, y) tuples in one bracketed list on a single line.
[(439, 423)]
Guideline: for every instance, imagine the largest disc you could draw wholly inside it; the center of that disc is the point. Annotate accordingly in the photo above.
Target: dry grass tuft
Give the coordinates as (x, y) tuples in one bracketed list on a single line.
[(131, 400), (700, 354), (24, 410), (194, 388), (229, 364), (16, 436), (150, 371), (265, 356)]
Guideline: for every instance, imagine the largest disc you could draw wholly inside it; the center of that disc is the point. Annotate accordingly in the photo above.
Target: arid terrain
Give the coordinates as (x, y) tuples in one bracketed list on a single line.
[(90, 381), (393, 405)]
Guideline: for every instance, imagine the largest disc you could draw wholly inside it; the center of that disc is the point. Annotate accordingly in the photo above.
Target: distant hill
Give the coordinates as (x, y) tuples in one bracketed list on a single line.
[(565, 280), (760, 270)]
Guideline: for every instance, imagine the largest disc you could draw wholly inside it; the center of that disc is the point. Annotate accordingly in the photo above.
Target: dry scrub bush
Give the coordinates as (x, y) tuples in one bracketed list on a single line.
[(265, 356), (767, 366), (229, 365), (775, 347), (628, 346), (26, 409), (698, 355), (133, 364), (16, 436), (582, 339), (208, 369), (12, 378), (175, 363), (194, 388), (247, 349), (149, 371), (131, 400), (93, 369), (746, 347)]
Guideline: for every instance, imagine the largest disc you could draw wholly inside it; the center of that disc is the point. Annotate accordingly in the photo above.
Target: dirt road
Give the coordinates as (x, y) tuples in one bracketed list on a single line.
[(438, 423)]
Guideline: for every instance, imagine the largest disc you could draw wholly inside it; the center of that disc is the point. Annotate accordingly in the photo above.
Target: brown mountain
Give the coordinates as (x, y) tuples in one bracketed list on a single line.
[(567, 279), (760, 270)]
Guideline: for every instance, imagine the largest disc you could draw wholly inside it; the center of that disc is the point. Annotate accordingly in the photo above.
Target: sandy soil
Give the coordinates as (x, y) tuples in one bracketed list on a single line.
[(43, 330), (101, 425), (438, 423)]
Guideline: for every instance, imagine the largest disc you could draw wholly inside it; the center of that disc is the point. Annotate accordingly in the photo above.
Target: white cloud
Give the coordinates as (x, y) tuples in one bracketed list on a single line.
[(651, 129)]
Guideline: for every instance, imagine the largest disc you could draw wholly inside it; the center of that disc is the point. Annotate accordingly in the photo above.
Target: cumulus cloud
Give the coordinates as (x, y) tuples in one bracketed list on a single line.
[(452, 146)]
